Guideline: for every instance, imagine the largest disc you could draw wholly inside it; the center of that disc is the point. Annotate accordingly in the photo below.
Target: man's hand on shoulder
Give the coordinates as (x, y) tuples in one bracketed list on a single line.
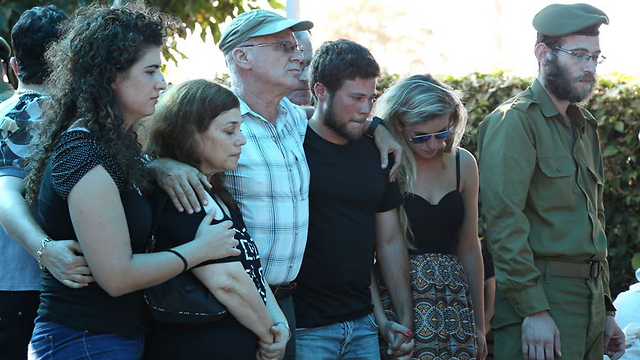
[(540, 337), (183, 184), (388, 145)]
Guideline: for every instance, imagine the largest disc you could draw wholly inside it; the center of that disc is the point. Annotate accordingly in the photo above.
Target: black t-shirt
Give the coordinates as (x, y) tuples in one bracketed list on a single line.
[(347, 189), (89, 308)]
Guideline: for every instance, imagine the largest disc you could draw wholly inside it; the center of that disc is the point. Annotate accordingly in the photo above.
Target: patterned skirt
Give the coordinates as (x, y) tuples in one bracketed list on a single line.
[(444, 325)]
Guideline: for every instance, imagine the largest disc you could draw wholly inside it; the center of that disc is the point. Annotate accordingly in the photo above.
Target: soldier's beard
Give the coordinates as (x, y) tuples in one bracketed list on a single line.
[(564, 87)]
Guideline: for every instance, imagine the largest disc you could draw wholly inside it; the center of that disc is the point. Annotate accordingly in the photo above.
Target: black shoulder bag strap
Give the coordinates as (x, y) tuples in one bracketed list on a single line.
[(157, 214)]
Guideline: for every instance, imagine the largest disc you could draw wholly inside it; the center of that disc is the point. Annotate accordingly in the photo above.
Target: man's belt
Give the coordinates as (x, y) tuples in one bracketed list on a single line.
[(584, 270), (284, 290)]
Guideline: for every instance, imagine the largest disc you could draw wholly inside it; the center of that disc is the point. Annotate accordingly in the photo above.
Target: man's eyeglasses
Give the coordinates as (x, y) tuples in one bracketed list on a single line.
[(582, 57), (421, 139), (288, 47)]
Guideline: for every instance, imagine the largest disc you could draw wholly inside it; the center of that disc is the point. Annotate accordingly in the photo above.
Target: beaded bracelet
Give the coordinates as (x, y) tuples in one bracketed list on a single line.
[(45, 241)]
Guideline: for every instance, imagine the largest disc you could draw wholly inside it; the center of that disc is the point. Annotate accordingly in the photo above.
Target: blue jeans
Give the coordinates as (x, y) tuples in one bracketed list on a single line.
[(52, 341), (356, 339)]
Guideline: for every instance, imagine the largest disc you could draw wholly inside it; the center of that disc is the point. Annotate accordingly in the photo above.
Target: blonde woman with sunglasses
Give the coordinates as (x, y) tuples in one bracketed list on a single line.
[(439, 181)]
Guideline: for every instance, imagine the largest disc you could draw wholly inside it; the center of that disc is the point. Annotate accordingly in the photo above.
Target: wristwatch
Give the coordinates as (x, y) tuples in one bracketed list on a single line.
[(375, 121)]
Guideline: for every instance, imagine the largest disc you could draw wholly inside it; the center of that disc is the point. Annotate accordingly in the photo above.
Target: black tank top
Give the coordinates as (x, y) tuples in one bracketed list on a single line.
[(436, 227)]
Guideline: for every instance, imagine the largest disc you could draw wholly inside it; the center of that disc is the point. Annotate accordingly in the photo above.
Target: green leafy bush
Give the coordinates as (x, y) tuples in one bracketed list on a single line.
[(616, 105)]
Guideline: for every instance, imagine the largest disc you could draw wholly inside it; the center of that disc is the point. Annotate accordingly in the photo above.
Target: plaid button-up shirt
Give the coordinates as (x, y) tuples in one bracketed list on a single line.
[(271, 185)]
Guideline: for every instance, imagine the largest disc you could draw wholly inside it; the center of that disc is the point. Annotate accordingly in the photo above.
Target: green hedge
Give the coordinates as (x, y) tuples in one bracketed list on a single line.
[(616, 105)]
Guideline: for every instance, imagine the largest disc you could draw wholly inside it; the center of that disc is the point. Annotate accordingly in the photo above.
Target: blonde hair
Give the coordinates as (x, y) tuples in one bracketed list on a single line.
[(412, 101)]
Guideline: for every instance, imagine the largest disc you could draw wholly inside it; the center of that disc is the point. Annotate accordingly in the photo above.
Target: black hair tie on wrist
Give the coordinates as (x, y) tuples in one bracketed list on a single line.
[(184, 261)]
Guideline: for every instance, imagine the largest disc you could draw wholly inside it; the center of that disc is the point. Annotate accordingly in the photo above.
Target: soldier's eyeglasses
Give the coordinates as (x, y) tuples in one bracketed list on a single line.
[(582, 57), (421, 139), (288, 47)]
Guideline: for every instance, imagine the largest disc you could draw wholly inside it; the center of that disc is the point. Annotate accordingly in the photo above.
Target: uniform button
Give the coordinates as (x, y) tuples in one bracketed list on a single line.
[(19, 313)]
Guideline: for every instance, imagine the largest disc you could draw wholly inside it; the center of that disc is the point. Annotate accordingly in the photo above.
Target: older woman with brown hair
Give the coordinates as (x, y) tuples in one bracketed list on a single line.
[(198, 123)]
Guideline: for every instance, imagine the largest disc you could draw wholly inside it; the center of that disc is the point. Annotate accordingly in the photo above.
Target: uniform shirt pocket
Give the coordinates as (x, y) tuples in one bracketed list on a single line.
[(553, 186)]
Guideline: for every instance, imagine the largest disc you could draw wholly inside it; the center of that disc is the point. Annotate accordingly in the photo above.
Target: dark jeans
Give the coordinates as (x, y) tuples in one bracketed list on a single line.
[(55, 341), (286, 305), (17, 312)]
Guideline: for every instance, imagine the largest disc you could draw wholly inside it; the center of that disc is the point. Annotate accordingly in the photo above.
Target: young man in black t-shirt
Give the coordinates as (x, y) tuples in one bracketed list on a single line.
[(353, 214)]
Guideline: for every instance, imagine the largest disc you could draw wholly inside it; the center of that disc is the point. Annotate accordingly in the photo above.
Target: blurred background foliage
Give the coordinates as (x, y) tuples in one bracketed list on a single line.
[(616, 105), (207, 13)]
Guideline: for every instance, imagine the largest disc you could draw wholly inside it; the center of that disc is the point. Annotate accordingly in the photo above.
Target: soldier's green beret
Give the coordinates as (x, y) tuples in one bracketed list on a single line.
[(257, 23), (5, 50), (565, 19)]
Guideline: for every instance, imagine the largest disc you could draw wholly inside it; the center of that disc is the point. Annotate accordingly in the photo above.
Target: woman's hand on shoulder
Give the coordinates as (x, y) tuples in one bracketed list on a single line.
[(217, 240)]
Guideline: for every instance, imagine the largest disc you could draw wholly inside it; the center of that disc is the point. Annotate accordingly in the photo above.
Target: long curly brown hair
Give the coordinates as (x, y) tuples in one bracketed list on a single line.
[(96, 45)]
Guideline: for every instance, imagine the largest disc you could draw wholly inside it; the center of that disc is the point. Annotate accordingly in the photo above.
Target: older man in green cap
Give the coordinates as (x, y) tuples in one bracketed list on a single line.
[(271, 183), (541, 186), (6, 90)]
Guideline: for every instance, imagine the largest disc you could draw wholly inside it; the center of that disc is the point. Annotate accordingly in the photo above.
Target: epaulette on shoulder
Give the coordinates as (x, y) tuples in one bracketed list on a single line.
[(590, 118), (521, 103)]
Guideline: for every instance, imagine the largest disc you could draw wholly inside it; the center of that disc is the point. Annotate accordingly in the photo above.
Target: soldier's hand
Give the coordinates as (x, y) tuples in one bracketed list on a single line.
[(540, 337), (614, 343)]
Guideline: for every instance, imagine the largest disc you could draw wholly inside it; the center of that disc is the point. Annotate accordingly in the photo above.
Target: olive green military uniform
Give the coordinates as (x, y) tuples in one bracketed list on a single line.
[(541, 183), (541, 187)]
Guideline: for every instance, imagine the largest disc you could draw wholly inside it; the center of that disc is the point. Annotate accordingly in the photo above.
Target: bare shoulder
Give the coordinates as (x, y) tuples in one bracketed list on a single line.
[(468, 169), (467, 160)]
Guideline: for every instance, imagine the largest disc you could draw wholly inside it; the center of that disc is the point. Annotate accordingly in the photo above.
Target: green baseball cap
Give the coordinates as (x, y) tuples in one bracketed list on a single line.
[(566, 19), (5, 49), (257, 23)]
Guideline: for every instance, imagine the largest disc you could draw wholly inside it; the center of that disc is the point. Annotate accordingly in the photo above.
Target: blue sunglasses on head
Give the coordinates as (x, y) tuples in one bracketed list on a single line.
[(421, 139)]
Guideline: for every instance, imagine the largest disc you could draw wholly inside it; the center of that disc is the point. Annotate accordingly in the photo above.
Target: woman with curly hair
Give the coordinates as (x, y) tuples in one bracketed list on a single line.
[(198, 123), (439, 181), (86, 177)]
